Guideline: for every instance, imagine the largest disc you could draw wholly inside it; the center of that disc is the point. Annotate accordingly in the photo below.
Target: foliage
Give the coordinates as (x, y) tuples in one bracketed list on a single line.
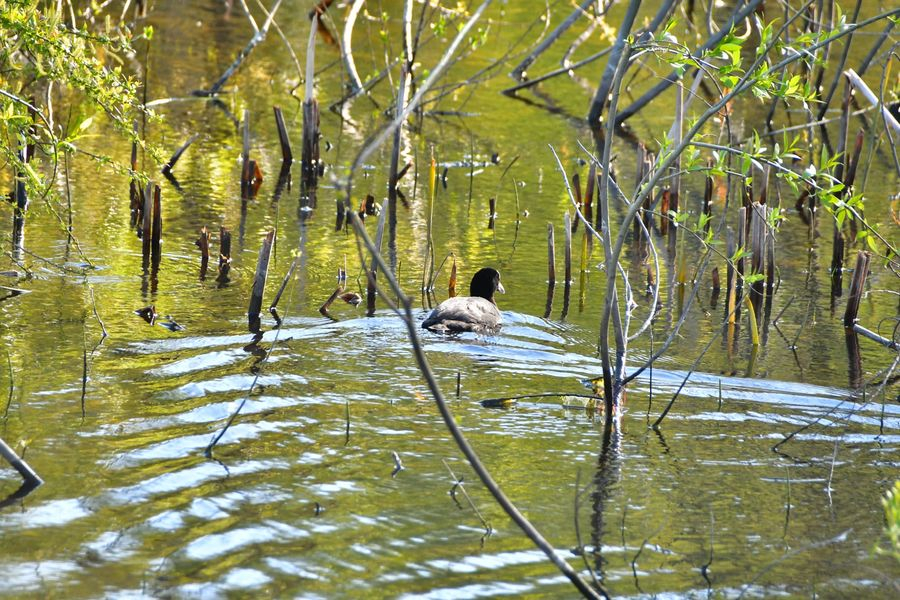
[(891, 504), (773, 62), (39, 49)]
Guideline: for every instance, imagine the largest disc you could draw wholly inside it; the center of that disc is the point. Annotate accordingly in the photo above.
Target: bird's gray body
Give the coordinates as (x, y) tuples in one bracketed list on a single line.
[(464, 313)]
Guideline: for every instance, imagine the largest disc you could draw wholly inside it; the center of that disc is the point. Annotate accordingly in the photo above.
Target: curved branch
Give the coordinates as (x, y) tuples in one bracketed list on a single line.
[(355, 83), (404, 310)]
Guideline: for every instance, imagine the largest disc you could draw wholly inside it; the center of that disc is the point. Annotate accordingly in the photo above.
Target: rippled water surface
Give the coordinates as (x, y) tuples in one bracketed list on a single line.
[(301, 498)]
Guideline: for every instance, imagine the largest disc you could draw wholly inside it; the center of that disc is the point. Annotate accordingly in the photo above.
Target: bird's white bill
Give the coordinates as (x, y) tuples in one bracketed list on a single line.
[(500, 288)]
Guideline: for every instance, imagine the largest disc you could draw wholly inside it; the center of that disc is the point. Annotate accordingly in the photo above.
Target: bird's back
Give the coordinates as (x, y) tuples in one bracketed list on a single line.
[(464, 313)]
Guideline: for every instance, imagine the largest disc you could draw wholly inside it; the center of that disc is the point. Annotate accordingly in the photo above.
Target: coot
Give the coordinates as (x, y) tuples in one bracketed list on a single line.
[(477, 312)]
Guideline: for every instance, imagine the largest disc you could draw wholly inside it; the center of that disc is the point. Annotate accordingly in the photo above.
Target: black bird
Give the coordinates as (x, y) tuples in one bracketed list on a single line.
[(477, 312)]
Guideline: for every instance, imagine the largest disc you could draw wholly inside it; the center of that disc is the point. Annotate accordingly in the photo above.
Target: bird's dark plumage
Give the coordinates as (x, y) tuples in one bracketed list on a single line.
[(477, 312)]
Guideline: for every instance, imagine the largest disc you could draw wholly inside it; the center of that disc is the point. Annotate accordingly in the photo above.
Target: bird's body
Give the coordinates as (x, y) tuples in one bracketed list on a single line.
[(477, 313)]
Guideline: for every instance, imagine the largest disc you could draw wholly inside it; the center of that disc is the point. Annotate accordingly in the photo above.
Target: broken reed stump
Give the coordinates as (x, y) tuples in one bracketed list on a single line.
[(224, 255), (638, 178), (770, 256), (493, 212), (730, 276), (245, 154), (310, 166), (167, 168), (579, 203), (259, 282), (156, 228), (286, 155), (837, 261), (551, 256), (758, 248), (373, 267), (251, 174), (339, 218), (451, 284), (589, 192), (743, 230), (134, 188), (664, 211), (708, 198), (860, 272), (676, 134), (203, 243), (21, 205), (568, 249), (568, 265), (551, 269), (650, 200), (146, 223), (716, 288)]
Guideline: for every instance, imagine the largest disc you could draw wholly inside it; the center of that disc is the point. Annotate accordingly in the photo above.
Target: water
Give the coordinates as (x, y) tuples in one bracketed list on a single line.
[(300, 499)]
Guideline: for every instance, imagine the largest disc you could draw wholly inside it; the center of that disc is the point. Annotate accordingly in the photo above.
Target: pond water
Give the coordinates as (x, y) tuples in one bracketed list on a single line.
[(301, 498)]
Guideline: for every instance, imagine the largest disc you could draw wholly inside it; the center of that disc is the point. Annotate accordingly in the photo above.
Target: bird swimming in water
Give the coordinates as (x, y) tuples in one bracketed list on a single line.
[(477, 312)]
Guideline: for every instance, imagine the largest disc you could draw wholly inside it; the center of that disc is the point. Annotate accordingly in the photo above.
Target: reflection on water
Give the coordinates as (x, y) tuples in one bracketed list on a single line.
[(764, 479)]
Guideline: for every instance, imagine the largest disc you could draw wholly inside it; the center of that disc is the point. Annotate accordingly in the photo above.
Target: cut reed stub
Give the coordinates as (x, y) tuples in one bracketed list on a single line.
[(451, 285), (339, 217), (664, 211), (147, 221), (837, 259), (568, 250), (579, 203), (714, 296), (251, 181), (203, 243), (224, 255), (857, 284), (286, 155), (246, 168), (156, 230), (551, 256), (135, 193), (259, 282), (310, 162), (758, 248), (801, 207), (492, 212), (589, 193)]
